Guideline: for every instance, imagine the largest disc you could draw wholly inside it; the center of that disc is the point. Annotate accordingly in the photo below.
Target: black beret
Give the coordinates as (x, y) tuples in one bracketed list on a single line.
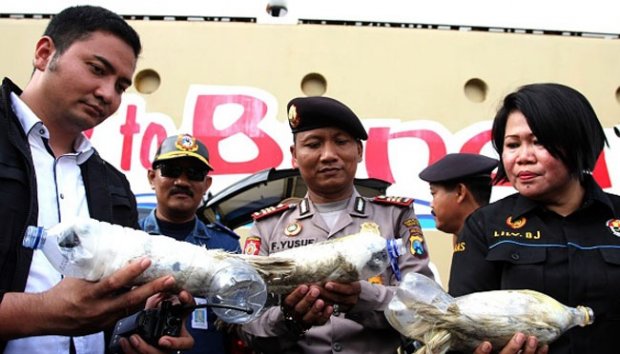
[(458, 167), (307, 113)]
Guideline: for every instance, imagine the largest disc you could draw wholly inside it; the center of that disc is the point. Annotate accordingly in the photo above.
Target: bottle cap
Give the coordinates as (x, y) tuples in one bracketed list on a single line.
[(394, 248), (33, 237)]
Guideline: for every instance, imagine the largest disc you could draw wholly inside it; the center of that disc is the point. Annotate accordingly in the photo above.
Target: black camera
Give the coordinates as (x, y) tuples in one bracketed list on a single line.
[(150, 324)]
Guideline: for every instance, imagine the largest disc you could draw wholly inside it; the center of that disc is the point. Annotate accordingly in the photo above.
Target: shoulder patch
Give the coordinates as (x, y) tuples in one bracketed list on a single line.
[(272, 210), (398, 201)]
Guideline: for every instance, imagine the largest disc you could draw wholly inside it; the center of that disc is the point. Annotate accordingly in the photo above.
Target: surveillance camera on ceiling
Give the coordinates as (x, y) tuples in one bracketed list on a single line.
[(277, 8)]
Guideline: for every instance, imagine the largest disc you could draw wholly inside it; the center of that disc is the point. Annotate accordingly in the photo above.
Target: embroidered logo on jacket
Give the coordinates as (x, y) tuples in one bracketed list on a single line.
[(614, 226), (516, 224)]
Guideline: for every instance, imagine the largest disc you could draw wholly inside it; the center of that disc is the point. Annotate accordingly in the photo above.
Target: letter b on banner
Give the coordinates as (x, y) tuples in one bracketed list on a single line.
[(254, 110)]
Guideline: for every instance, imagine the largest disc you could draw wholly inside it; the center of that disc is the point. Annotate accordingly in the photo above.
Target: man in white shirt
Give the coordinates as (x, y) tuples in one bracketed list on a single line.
[(50, 172)]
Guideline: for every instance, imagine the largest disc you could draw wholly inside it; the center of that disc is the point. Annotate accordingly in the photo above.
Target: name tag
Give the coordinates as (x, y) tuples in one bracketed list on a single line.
[(199, 316)]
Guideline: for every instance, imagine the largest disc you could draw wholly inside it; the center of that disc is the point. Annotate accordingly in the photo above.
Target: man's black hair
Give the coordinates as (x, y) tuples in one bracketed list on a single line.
[(79, 22), (479, 187)]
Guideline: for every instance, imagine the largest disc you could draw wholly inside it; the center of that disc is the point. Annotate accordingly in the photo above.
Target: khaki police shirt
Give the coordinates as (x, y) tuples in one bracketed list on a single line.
[(364, 328)]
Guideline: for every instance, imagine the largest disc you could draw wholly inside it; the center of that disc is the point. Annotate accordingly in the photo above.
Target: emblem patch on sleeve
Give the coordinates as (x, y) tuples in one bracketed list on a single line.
[(416, 246), (252, 245)]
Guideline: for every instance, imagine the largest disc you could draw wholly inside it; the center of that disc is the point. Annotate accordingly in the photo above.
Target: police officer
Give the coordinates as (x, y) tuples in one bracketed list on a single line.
[(460, 183), (180, 179), (331, 317)]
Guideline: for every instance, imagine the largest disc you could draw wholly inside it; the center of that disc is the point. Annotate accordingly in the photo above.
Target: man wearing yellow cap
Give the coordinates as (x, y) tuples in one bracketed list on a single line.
[(179, 176)]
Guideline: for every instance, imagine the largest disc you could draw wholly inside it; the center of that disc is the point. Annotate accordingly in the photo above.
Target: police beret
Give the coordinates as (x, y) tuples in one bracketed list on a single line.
[(458, 167), (307, 113), (182, 145)]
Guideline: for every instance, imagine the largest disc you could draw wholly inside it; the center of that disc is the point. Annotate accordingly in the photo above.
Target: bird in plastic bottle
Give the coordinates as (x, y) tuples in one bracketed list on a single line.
[(422, 310), (90, 249), (344, 259)]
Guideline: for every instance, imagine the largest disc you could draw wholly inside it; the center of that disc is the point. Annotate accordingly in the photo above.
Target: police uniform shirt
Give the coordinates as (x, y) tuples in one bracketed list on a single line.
[(517, 244), (364, 328)]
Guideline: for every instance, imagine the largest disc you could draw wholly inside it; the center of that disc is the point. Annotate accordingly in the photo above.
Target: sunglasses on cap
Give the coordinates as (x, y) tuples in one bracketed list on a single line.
[(175, 171)]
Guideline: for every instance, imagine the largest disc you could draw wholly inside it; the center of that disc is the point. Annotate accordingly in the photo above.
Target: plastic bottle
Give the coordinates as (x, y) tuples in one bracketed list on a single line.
[(91, 249), (345, 259)]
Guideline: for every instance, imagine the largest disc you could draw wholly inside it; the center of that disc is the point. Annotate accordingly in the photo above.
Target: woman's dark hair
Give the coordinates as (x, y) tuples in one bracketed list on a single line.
[(562, 120), (79, 22)]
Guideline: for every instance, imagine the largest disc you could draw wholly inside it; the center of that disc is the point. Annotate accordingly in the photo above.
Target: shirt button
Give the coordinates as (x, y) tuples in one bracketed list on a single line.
[(62, 196), (337, 347), (515, 256), (42, 131)]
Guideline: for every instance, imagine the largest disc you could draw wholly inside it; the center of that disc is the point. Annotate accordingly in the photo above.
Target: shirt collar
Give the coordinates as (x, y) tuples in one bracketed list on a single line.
[(306, 208), (149, 225), (32, 124)]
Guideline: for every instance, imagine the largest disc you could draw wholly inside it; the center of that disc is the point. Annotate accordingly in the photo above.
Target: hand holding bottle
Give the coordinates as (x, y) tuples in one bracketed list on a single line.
[(91, 250), (78, 307)]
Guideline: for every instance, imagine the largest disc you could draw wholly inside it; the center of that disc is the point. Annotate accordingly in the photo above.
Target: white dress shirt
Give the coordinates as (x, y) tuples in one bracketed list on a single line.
[(60, 196)]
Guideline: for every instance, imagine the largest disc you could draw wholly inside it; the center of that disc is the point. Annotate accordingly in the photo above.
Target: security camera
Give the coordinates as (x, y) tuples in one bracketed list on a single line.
[(277, 8)]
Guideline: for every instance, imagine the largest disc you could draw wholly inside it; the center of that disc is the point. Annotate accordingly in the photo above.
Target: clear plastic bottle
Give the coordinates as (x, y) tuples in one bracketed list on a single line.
[(345, 259), (91, 249)]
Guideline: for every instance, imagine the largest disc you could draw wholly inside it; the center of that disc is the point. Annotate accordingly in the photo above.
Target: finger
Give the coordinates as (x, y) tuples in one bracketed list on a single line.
[(154, 300), (183, 342), (344, 289), (186, 298), (306, 303), (515, 344), (139, 346), (314, 312), (340, 293), (124, 277), (531, 344), (543, 350), (483, 348), (295, 296), (127, 347), (319, 314), (136, 298)]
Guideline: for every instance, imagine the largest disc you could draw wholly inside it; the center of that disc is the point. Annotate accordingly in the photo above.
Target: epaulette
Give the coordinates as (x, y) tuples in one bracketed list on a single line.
[(399, 201), (272, 210)]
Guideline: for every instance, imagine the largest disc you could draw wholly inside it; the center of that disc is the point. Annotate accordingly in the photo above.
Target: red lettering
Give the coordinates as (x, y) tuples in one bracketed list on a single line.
[(601, 173), (153, 131), (475, 144), (377, 156), (254, 110), (128, 130)]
